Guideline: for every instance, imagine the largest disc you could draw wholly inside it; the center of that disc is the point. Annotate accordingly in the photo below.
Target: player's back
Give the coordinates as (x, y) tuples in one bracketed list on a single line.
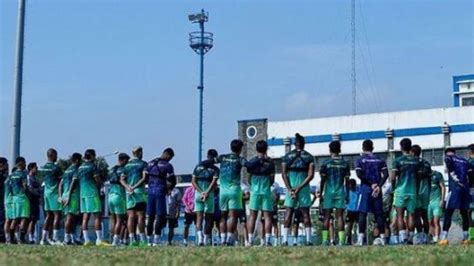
[(458, 168), (335, 170), (230, 168), (371, 166), (407, 167)]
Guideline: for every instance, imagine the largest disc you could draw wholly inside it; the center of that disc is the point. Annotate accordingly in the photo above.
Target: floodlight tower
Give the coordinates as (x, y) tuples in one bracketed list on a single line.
[(201, 42)]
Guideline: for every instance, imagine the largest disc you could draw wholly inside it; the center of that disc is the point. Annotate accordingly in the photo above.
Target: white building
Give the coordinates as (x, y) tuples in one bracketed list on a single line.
[(432, 129)]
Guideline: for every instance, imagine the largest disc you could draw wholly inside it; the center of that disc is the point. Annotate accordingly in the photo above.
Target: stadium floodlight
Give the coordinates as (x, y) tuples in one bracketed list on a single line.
[(201, 42), (199, 17)]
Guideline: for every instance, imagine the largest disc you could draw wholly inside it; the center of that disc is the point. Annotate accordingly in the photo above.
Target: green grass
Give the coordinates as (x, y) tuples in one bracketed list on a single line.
[(408, 255)]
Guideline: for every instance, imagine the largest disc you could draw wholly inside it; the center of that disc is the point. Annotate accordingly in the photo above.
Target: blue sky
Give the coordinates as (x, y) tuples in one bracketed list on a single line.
[(115, 74)]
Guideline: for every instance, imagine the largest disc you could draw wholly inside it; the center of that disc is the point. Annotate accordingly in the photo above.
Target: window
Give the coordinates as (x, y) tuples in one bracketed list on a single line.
[(468, 101)]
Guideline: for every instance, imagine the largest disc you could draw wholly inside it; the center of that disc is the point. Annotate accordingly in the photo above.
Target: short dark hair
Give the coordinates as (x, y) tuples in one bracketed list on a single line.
[(299, 140), (31, 166), (123, 156), (335, 146), (51, 151), (236, 145), (89, 154), (261, 146), (405, 144), (3, 160), (352, 182), (416, 150), (76, 157), (169, 151), (212, 153), (449, 150), (20, 160), (471, 147), (368, 145)]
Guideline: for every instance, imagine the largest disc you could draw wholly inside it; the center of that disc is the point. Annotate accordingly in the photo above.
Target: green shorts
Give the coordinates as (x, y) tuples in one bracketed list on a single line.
[(134, 198), (206, 206), (434, 209), (73, 206), (90, 205), (261, 202), (422, 201), (334, 202), (9, 209), (51, 202), (405, 201), (117, 204), (230, 200), (302, 200), (21, 207)]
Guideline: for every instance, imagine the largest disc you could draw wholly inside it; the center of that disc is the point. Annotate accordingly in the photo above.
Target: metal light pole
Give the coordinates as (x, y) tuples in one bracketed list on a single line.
[(201, 42), (16, 129)]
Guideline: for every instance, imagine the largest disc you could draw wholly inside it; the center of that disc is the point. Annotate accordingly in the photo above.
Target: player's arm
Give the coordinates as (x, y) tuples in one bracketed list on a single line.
[(443, 192), (308, 178), (195, 184), (171, 177), (213, 184), (123, 181), (60, 188), (284, 176), (272, 173), (323, 174)]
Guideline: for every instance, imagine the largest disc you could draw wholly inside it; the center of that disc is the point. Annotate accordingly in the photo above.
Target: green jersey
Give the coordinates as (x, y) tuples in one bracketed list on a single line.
[(204, 175), (114, 178), (231, 166), (407, 167), (424, 176), (87, 174), (435, 190), (17, 182), (262, 170), (334, 172), (69, 175), (133, 171), (51, 174)]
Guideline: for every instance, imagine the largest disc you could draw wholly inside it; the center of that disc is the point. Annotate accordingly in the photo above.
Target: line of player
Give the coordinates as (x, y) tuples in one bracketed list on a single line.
[(139, 190)]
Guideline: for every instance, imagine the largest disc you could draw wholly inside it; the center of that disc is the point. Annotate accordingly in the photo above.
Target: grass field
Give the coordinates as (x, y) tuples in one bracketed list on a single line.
[(408, 255)]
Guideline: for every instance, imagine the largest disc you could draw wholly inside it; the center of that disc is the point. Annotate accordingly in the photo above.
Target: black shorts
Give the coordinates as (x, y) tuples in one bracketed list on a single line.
[(139, 207), (298, 216), (274, 215), (34, 209), (172, 222), (242, 219), (189, 218), (352, 216)]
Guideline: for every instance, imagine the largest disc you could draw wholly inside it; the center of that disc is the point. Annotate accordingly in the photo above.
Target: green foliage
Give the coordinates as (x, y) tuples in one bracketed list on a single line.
[(388, 255), (103, 168)]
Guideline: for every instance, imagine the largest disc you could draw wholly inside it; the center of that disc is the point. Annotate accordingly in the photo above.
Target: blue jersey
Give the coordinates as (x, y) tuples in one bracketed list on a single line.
[(371, 167), (458, 169), (159, 172)]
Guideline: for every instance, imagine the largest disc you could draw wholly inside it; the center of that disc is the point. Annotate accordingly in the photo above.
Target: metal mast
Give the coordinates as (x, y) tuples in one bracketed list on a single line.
[(353, 74), (201, 42), (17, 94)]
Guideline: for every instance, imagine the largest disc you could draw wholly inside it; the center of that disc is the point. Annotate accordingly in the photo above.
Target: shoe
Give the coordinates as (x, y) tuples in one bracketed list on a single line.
[(378, 242), (466, 242), (284, 244), (68, 243), (77, 242), (444, 242), (143, 244), (102, 243), (309, 244), (325, 243), (87, 244), (359, 243), (200, 244), (133, 244), (45, 243)]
